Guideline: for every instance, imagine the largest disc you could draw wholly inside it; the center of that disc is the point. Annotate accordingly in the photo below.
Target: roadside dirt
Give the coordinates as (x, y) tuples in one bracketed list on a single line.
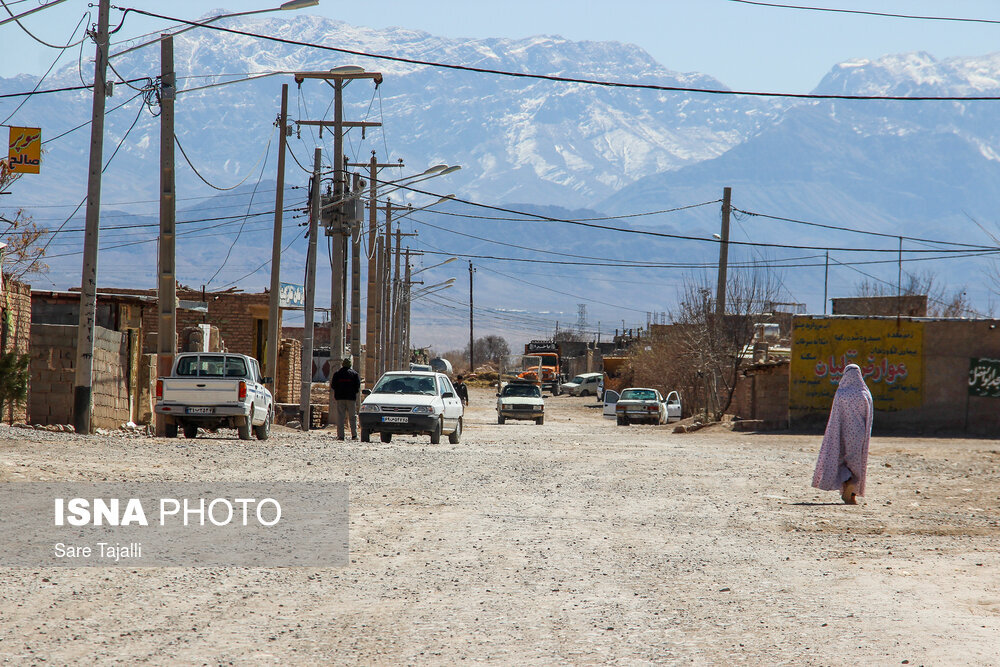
[(577, 541)]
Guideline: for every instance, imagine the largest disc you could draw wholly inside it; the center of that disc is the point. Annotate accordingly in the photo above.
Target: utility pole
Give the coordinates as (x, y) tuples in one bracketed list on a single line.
[(356, 275), (720, 294), (166, 292), (305, 400), (826, 279), (472, 340), (274, 297), (386, 291), (83, 384), (373, 310), (407, 351), (396, 311)]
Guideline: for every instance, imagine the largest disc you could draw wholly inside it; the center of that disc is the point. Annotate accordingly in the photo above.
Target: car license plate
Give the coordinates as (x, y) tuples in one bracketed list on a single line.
[(201, 411), (395, 420)]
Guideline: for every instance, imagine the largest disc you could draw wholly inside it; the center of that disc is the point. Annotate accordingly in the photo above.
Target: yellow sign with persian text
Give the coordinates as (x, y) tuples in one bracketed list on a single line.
[(890, 353), (25, 150)]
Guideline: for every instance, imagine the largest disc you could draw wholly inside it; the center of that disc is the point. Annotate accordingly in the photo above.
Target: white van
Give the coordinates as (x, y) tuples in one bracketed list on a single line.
[(583, 384)]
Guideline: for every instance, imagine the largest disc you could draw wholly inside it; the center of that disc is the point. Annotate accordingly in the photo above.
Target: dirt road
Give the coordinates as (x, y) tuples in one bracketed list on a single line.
[(577, 541)]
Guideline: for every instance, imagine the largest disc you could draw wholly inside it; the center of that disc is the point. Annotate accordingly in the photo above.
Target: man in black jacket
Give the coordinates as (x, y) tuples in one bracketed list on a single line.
[(345, 385), (462, 390)]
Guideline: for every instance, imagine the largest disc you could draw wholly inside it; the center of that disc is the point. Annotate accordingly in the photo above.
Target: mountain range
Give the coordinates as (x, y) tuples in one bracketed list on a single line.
[(603, 156)]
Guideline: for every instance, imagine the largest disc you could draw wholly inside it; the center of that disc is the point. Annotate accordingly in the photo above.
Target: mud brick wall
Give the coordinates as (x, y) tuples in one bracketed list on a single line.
[(288, 384), (16, 304), (53, 376)]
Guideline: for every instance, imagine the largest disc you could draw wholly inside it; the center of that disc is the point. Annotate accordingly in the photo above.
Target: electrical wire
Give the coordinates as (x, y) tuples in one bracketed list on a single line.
[(563, 79), (38, 39), (65, 89), (249, 205), (85, 124), (603, 217), (650, 233), (59, 55), (864, 12), (216, 187)]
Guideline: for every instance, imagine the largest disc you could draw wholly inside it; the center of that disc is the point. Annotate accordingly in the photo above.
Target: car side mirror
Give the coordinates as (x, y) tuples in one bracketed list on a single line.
[(365, 392), (448, 394), (498, 394)]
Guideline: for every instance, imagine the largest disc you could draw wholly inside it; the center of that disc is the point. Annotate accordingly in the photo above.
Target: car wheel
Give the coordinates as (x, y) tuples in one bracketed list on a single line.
[(366, 436), (264, 430), (501, 419), (621, 421), (170, 430), (539, 421), (244, 429), (436, 433), (385, 437), (455, 436), (190, 431)]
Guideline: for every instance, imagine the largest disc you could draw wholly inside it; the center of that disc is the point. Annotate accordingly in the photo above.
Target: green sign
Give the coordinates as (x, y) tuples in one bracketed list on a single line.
[(984, 377)]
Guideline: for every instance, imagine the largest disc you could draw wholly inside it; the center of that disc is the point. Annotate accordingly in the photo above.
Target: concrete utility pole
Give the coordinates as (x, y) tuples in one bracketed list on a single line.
[(83, 384), (405, 316), (384, 356), (472, 338), (356, 275), (305, 400), (336, 232), (373, 309), (396, 312), (720, 294), (166, 290), (274, 297)]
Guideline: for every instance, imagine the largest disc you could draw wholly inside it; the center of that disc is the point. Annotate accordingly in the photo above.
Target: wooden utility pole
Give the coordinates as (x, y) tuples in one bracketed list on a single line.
[(720, 294), (166, 289), (305, 400), (274, 297), (83, 384)]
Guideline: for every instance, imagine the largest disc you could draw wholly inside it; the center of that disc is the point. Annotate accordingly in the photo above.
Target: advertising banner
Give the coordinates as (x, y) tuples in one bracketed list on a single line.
[(25, 154), (889, 352), (291, 295)]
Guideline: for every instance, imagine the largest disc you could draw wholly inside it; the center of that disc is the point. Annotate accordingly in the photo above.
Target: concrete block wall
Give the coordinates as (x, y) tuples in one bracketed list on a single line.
[(16, 305), (53, 376), (110, 388)]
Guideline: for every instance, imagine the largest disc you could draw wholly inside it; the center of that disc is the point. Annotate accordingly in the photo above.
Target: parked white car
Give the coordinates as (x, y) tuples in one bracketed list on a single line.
[(643, 405), (212, 390), (520, 400), (584, 384), (413, 403)]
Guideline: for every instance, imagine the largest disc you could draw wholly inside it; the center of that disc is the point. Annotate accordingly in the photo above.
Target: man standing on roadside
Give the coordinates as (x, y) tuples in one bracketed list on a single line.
[(462, 390), (345, 385)]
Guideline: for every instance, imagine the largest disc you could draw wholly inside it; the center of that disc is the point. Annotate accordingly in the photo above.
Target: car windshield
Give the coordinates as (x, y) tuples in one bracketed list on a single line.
[(212, 366), (521, 391), (405, 384), (638, 395), (579, 379)]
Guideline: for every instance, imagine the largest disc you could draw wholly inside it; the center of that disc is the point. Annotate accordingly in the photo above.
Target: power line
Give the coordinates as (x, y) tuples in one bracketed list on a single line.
[(559, 79), (864, 12), (681, 237), (861, 231)]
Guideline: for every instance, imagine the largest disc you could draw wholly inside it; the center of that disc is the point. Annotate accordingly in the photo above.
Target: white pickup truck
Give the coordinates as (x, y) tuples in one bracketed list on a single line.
[(215, 390)]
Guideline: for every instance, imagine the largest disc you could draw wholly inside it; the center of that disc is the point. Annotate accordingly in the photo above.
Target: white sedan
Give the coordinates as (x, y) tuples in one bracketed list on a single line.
[(644, 405)]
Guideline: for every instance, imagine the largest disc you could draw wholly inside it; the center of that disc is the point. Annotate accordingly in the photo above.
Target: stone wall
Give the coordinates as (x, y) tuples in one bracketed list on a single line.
[(15, 335)]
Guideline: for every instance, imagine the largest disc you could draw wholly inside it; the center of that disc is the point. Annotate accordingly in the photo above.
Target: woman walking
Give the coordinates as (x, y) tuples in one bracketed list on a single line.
[(843, 456)]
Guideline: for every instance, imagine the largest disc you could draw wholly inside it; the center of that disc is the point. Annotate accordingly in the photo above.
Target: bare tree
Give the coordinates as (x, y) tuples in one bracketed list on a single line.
[(23, 253), (940, 303), (701, 353)]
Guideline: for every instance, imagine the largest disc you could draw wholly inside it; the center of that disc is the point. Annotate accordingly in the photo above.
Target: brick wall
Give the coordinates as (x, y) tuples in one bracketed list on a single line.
[(16, 306), (53, 376), (288, 387)]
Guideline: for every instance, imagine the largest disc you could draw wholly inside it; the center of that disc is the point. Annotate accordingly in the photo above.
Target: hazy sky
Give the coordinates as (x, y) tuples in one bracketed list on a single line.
[(746, 47)]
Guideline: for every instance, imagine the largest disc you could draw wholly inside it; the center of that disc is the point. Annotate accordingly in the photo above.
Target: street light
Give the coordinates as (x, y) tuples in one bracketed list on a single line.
[(285, 6), (424, 291), (426, 268)]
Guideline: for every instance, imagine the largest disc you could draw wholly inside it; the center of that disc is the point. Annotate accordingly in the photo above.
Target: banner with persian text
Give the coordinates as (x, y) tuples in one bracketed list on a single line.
[(984, 377), (25, 150), (889, 352)]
